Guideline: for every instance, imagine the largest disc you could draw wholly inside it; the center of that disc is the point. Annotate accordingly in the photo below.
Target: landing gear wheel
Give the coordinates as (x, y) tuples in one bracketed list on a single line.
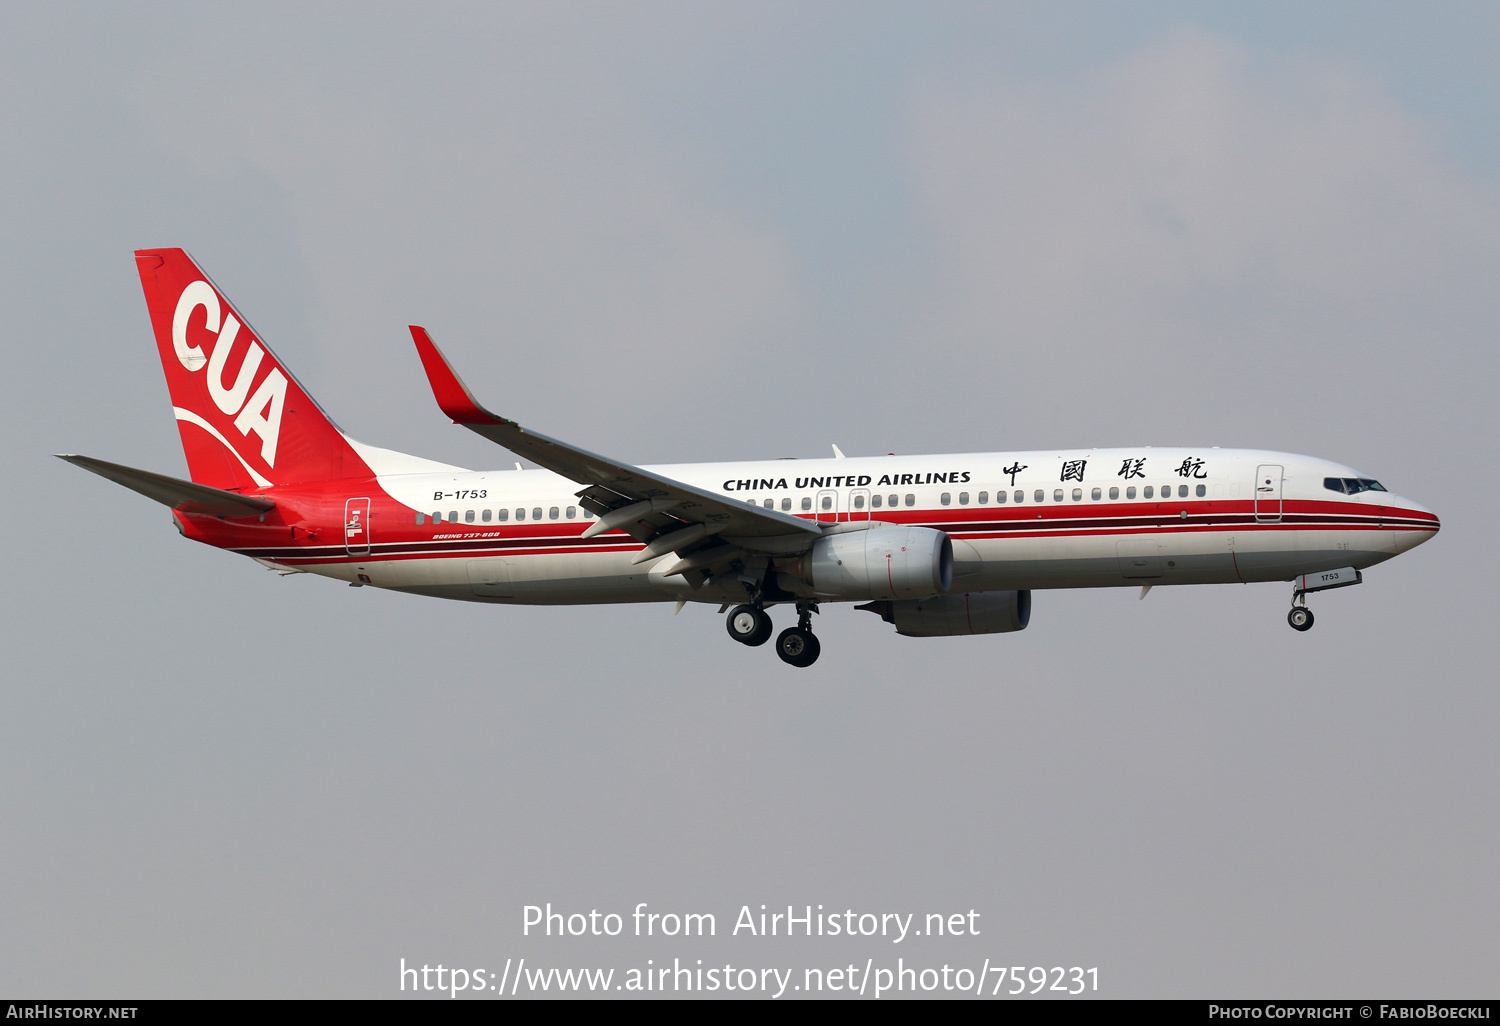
[(748, 625), (1300, 618), (798, 646)]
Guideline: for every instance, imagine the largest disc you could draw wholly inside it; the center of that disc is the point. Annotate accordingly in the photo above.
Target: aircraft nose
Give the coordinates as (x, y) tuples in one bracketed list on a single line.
[(1422, 512), (1420, 524)]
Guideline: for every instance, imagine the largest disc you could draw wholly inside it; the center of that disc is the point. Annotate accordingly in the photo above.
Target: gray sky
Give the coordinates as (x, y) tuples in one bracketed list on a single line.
[(676, 232)]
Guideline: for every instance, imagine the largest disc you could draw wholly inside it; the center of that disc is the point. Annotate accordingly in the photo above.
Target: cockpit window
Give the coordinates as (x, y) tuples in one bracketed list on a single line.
[(1352, 485)]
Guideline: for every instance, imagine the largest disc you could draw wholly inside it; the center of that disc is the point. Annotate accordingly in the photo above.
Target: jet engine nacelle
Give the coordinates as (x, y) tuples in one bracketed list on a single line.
[(943, 616), (881, 563)]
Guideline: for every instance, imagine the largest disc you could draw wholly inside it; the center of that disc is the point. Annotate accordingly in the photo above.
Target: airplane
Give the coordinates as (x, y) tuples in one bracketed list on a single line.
[(937, 546)]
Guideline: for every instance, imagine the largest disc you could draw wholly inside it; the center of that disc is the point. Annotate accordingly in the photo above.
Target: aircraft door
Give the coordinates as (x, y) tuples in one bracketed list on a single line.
[(1268, 494), (827, 507), (357, 527), (859, 504)]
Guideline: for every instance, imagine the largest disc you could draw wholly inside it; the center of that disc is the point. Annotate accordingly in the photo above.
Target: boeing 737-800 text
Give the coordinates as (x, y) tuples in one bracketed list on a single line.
[(936, 545)]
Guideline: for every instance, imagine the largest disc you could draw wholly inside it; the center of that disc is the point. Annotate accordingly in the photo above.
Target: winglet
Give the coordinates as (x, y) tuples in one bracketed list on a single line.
[(452, 395)]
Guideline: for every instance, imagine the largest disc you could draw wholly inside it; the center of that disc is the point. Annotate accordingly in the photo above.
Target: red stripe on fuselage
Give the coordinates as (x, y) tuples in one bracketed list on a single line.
[(394, 536)]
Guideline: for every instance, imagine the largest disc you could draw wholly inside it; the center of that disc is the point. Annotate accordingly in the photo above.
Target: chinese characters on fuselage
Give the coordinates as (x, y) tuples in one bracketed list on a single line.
[(1072, 470)]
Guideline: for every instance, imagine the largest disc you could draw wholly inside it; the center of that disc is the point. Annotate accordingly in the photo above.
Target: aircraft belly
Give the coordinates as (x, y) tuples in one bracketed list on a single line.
[(584, 579), (1102, 561)]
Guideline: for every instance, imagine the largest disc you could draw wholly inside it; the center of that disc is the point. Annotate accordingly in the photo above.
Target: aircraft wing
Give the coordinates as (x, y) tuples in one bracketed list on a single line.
[(669, 515), (184, 496)]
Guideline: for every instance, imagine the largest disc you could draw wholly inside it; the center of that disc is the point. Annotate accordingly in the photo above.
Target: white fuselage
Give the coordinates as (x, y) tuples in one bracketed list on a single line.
[(1025, 520)]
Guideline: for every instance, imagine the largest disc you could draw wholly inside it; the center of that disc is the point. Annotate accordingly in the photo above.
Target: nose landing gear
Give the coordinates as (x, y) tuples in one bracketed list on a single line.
[(1301, 617)]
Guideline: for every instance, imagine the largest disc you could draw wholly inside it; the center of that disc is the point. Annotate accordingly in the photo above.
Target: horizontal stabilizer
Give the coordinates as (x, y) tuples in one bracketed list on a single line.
[(184, 496)]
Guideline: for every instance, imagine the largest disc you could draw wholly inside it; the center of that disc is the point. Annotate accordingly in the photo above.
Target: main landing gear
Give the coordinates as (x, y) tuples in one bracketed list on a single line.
[(797, 646), (749, 625)]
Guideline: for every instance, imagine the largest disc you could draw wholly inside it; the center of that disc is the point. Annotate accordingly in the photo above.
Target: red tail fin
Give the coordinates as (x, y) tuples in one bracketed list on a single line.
[(246, 423)]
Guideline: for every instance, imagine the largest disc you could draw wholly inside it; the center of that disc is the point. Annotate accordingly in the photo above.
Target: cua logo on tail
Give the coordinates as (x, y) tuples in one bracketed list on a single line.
[(245, 422), (261, 413)]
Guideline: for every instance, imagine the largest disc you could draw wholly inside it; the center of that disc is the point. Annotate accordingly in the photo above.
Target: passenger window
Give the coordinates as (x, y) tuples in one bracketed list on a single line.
[(1020, 495), (553, 513), (999, 497), (891, 502), (468, 516), (1095, 494), (963, 498), (828, 502), (911, 500), (421, 518), (453, 516), (437, 518), (984, 497), (859, 502), (1057, 495), (1077, 494), (786, 504), (485, 515), (769, 504), (807, 502), (521, 514), (1146, 492), (1130, 492), (572, 512), (875, 501), (1039, 495), (1114, 493), (536, 513), (1182, 491), (946, 499), (1202, 491), (502, 515)]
